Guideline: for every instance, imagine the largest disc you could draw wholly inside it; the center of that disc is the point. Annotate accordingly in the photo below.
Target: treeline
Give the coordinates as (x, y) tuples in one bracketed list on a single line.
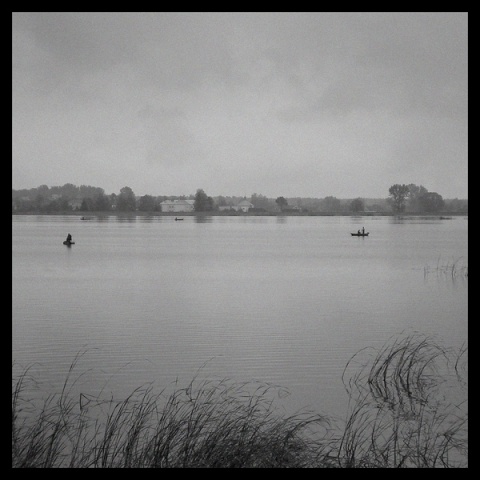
[(417, 199), (85, 198)]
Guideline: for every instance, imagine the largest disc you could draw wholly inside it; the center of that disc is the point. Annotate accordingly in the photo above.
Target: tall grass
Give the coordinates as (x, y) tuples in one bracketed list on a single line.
[(398, 416), (206, 424), (408, 407)]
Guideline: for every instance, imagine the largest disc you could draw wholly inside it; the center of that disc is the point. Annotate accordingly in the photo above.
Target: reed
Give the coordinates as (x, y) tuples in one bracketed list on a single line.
[(408, 407), (206, 424), (454, 268), (397, 417)]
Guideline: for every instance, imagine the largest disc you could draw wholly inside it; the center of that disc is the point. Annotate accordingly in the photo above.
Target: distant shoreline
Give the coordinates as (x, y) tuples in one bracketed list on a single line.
[(444, 215)]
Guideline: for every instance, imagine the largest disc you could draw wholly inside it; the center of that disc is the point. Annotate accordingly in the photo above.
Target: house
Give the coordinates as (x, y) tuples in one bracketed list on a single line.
[(244, 206), (177, 205)]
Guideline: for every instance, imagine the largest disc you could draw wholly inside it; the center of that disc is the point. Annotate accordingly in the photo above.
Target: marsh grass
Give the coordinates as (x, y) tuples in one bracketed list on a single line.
[(398, 416), (206, 424), (454, 268), (408, 406)]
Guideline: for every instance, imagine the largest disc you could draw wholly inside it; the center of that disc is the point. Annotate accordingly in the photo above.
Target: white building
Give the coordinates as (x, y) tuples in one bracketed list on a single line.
[(177, 205), (243, 206)]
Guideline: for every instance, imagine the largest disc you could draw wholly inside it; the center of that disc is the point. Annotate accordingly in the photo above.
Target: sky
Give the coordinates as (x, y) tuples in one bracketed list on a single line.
[(289, 104)]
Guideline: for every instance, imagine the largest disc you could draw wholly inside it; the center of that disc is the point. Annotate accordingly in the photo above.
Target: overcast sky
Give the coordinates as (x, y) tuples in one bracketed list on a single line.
[(278, 104)]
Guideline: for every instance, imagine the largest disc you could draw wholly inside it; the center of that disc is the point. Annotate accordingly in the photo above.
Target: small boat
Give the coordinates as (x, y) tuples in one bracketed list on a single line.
[(360, 234), (68, 243), (177, 219)]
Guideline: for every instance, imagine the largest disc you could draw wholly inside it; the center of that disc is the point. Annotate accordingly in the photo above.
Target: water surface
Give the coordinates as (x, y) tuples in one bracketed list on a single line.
[(286, 300)]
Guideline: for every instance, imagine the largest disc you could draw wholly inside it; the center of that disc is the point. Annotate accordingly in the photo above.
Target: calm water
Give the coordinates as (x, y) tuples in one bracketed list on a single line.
[(282, 300)]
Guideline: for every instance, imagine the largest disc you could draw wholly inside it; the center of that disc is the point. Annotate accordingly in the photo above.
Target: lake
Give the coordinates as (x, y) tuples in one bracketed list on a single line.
[(284, 300)]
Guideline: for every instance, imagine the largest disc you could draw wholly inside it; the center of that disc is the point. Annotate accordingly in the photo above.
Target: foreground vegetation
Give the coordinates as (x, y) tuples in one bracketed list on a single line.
[(408, 408)]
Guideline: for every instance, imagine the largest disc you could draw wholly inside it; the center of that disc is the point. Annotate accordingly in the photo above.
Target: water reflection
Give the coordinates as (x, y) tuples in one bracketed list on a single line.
[(202, 218), (127, 218), (416, 219)]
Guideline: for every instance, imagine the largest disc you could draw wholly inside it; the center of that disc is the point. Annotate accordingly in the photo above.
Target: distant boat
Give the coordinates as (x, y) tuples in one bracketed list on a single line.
[(68, 243), (86, 218), (177, 219), (360, 234)]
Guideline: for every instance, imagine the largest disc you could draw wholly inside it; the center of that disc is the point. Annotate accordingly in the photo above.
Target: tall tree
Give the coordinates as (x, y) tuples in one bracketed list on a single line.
[(203, 203), (126, 200), (146, 203), (414, 194), (357, 205), (398, 196), (281, 202)]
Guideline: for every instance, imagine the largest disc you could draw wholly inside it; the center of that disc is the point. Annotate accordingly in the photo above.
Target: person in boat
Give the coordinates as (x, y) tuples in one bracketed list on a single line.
[(69, 238), (363, 230), (358, 232)]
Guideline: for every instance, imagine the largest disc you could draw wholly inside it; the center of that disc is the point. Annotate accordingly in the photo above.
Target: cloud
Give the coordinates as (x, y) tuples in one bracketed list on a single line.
[(168, 100)]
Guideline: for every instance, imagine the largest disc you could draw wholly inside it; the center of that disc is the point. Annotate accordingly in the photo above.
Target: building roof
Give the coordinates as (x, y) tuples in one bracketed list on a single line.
[(177, 202), (245, 203)]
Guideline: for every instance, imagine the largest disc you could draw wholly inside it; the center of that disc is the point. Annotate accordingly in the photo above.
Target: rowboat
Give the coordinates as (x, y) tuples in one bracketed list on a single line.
[(360, 234)]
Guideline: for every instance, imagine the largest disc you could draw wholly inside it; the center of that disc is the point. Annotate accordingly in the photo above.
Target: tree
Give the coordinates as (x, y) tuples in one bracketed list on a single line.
[(203, 203), (331, 204), (89, 191), (69, 190), (259, 200), (221, 201), (281, 202), (357, 205), (87, 205), (431, 202), (126, 200), (101, 203), (398, 195), (43, 190), (40, 201), (146, 203), (414, 194)]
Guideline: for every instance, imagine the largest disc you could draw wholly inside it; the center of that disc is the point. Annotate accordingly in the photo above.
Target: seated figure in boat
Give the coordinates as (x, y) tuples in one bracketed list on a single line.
[(69, 238)]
